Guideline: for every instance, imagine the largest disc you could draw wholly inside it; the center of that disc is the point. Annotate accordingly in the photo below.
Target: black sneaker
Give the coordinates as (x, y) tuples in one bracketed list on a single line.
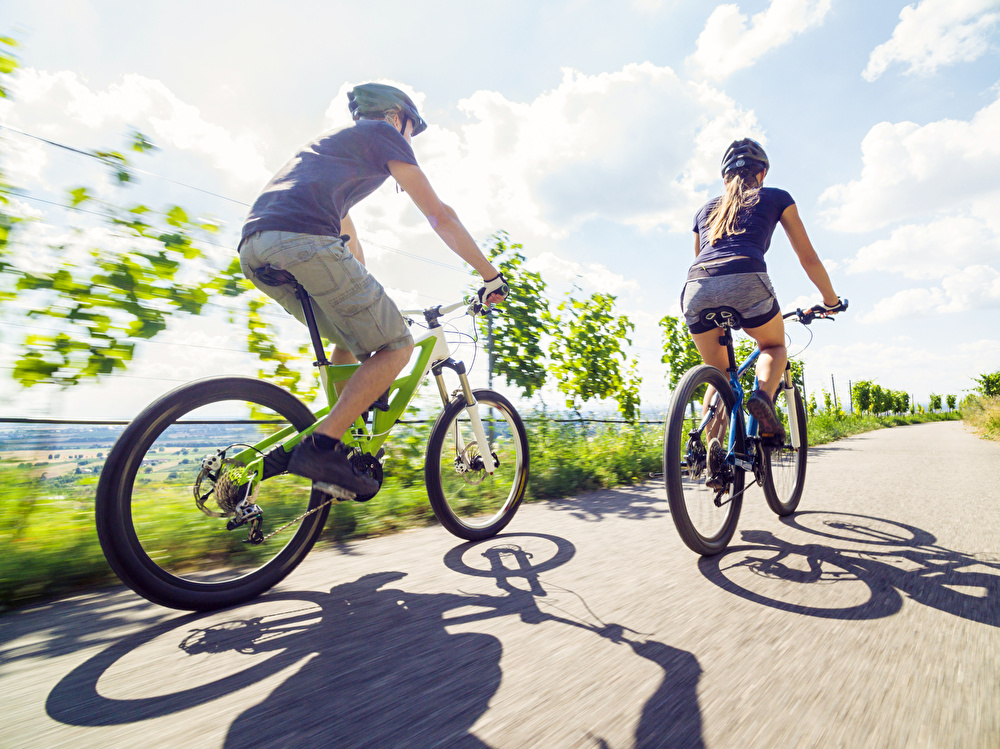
[(762, 409), (330, 465)]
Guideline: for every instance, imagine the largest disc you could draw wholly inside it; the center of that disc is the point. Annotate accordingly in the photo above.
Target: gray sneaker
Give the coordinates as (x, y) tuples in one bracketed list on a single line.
[(331, 465), (762, 409)]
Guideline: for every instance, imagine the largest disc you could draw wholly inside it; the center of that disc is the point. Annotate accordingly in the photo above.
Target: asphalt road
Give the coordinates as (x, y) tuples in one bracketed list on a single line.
[(869, 619)]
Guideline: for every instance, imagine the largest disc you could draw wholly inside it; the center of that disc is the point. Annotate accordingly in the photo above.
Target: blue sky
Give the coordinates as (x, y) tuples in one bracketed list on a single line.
[(590, 131)]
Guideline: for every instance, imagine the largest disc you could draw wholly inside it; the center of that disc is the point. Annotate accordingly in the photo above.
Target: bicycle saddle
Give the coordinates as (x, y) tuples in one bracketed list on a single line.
[(723, 317), (271, 276)]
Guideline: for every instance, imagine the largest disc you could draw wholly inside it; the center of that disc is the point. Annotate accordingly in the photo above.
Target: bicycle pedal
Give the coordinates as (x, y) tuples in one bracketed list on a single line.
[(337, 492)]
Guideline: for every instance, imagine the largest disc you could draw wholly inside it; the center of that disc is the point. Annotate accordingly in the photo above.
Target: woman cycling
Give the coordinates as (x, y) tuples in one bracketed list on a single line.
[(731, 234)]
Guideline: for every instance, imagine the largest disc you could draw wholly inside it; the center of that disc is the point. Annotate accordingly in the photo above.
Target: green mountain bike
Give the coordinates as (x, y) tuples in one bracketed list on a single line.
[(194, 508)]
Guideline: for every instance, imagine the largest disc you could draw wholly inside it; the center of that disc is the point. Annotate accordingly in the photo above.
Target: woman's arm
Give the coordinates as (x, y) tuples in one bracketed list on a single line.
[(811, 263), (697, 244)]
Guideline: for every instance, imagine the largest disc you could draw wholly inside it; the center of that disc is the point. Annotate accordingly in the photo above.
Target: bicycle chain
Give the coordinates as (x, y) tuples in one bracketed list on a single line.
[(305, 514)]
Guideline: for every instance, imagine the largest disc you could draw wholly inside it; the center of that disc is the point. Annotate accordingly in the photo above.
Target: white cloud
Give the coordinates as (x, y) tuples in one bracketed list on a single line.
[(912, 170), (901, 365), (933, 250), (936, 33), (973, 289), (60, 105), (727, 44), (590, 276)]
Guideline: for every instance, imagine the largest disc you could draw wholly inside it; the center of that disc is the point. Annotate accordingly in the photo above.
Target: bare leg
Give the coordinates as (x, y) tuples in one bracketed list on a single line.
[(714, 353), (372, 379), (338, 357), (773, 355)]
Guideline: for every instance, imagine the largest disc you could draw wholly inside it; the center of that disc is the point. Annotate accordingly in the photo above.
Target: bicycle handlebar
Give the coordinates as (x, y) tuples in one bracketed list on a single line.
[(820, 311), (473, 308)]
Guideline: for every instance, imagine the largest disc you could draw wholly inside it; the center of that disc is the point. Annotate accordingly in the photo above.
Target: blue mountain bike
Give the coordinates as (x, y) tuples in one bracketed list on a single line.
[(710, 443)]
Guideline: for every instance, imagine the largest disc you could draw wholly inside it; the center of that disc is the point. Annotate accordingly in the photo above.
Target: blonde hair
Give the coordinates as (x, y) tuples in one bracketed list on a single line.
[(742, 191)]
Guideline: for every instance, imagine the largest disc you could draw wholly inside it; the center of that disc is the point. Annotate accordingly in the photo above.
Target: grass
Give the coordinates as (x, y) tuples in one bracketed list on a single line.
[(983, 415), (48, 544)]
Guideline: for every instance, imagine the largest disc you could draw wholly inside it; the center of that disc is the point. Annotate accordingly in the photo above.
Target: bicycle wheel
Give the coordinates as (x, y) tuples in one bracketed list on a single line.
[(162, 519), (785, 466), (705, 517), (466, 500)]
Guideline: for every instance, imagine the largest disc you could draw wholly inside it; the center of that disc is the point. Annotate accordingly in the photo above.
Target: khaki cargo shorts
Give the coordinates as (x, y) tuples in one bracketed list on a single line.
[(351, 307)]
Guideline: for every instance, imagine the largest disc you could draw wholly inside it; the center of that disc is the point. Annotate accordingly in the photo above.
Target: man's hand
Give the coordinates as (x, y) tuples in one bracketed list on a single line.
[(494, 290)]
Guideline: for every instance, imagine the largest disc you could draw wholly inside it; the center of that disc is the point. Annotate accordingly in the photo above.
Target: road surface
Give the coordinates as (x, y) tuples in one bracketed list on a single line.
[(870, 618)]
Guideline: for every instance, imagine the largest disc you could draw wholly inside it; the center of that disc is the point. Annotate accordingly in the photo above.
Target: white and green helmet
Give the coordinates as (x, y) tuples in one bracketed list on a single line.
[(372, 101)]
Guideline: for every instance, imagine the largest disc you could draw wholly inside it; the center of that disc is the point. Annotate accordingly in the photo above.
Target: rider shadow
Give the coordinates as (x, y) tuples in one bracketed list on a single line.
[(889, 558), (369, 665)]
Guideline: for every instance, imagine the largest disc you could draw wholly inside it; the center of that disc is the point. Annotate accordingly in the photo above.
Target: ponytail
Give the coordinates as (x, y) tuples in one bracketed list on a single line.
[(742, 191)]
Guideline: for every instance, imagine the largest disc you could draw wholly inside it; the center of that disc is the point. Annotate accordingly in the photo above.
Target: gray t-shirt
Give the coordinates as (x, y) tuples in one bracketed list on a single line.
[(326, 178)]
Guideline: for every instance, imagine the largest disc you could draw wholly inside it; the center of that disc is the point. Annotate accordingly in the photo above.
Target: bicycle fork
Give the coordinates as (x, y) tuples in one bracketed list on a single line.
[(472, 408)]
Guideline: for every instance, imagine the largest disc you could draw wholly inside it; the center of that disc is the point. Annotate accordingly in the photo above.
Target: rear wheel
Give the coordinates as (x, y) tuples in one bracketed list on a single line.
[(785, 465), (169, 523), (705, 516), (467, 501)]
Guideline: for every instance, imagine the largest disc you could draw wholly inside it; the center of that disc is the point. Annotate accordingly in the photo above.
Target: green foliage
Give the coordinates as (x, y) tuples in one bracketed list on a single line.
[(871, 398), (982, 413), (588, 354), (260, 341), (935, 404), (989, 384), (514, 335), (8, 61), (679, 351), (952, 400)]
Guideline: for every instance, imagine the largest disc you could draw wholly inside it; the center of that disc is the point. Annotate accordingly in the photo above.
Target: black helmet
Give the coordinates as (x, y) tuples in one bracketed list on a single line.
[(373, 100), (744, 153)]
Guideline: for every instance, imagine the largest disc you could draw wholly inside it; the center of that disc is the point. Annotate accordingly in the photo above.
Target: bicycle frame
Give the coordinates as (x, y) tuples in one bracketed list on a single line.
[(747, 424), (432, 355)]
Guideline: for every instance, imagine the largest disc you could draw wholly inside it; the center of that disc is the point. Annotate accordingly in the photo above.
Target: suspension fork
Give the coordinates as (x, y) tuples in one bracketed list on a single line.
[(471, 407), (793, 406)]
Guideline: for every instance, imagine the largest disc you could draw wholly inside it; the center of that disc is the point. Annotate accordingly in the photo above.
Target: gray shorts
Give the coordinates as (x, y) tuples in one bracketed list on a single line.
[(352, 309), (750, 294)]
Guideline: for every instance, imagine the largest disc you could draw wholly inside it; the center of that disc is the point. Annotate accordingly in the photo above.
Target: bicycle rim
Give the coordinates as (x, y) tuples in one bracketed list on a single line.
[(785, 466), (175, 552), (469, 502), (704, 519)]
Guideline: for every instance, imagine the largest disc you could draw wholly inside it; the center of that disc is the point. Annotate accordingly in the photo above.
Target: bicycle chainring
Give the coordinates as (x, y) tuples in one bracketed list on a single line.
[(370, 466)]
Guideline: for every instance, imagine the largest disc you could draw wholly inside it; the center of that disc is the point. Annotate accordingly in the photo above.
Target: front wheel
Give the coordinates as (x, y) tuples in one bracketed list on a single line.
[(169, 523), (704, 490), (785, 465), (467, 500)]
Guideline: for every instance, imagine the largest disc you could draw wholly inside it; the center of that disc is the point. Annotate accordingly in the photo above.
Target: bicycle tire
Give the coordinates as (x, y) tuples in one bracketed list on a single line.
[(785, 466), (469, 503), (705, 527), (150, 528)]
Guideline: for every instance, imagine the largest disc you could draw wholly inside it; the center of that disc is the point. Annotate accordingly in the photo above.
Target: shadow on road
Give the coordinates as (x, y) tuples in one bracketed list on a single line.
[(864, 577), (367, 663)]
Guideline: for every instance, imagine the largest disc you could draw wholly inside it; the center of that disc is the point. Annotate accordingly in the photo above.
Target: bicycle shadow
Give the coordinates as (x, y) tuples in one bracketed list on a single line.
[(368, 663), (878, 563)]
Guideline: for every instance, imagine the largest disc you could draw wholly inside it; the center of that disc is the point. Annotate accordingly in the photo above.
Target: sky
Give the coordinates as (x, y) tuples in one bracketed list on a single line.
[(590, 132)]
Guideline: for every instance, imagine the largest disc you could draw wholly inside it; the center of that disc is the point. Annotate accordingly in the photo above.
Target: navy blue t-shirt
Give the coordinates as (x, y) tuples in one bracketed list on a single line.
[(759, 221), (313, 191)]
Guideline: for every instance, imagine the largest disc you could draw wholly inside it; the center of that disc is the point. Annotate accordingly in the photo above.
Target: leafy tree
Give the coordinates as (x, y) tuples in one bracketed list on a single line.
[(989, 384), (861, 393), (679, 351), (514, 333), (588, 354), (952, 401), (935, 404)]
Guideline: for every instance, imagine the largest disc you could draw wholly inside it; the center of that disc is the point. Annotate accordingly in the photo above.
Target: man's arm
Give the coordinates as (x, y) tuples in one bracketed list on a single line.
[(441, 217), (353, 244)]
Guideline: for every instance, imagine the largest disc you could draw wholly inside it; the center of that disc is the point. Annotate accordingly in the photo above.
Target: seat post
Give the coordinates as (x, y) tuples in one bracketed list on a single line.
[(303, 296)]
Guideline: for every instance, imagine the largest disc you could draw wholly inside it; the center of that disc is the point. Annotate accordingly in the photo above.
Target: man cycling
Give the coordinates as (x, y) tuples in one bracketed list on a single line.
[(300, 223)]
